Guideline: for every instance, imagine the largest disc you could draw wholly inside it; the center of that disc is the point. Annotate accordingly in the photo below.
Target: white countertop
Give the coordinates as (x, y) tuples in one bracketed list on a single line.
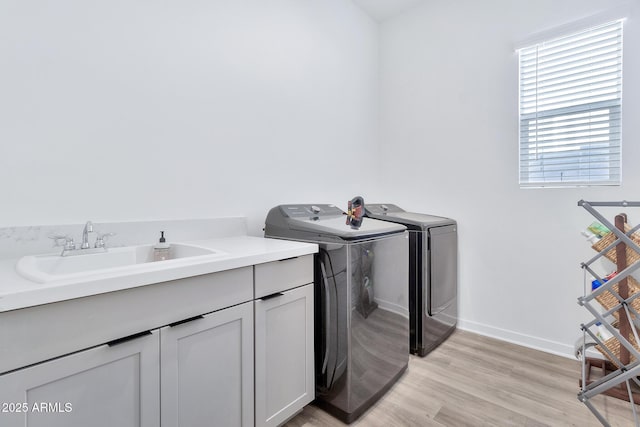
[(17, 292)]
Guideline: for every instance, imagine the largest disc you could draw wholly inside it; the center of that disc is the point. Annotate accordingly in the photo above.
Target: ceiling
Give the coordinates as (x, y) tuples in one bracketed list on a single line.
[(385, 9)]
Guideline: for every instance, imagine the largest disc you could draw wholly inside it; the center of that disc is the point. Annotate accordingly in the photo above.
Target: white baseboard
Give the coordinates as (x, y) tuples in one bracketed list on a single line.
[(530, 341)]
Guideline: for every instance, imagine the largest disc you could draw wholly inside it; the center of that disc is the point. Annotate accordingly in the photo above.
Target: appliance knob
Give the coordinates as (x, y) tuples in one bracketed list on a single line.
[(315, 209)]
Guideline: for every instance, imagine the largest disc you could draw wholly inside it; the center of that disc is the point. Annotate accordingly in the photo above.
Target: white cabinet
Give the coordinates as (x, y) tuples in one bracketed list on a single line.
[(207, 370), (284, 362), (105, 386), (192, 369)]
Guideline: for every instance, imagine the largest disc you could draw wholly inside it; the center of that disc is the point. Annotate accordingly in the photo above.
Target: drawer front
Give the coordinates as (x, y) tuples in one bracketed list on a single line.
[(72, 325), (278, 276)]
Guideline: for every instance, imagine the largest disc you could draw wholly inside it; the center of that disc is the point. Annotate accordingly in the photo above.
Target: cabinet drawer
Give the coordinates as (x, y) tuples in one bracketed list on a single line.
[(278, 276)]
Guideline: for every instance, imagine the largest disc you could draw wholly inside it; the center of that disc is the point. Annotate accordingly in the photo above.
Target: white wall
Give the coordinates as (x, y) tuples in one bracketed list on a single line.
[(449, 98), (121, 110)]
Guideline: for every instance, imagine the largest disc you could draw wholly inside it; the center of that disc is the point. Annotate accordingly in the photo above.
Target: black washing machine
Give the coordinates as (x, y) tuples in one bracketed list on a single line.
[(433, 274)]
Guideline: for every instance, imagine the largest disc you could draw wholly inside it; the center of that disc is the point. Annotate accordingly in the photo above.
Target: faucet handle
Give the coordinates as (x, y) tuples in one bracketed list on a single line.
[(63, 240), (101, 239)]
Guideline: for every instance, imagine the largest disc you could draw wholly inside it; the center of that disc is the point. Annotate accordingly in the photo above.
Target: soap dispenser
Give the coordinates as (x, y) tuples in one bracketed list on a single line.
[(161, 249)]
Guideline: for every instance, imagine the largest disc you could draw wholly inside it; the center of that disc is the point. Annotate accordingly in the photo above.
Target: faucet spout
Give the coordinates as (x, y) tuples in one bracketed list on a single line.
[(88, 228)]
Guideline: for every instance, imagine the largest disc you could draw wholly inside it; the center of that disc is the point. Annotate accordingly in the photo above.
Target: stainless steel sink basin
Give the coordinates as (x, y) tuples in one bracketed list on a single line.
[(53, 267)]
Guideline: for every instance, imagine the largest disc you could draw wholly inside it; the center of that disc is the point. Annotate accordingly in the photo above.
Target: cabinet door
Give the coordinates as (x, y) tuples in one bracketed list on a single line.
[(106, 386), (284, 355), (206, 369)]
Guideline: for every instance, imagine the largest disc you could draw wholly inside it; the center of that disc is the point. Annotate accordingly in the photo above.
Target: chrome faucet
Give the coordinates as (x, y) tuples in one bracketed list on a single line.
[(88, 228), (70, 247)]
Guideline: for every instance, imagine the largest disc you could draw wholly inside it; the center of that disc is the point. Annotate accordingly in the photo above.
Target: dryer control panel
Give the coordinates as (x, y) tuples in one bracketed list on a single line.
[(309, 211), (382, 208)]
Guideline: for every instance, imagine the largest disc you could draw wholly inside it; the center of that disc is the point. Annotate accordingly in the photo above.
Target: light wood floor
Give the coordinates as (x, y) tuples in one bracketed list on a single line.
[(471, 380)]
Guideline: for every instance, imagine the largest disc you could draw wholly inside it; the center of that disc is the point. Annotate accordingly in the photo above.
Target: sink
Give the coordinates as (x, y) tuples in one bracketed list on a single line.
[(52, 267)]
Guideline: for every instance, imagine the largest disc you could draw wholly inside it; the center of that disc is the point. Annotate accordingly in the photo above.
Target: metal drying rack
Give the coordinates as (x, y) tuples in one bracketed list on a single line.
[(621, 369)]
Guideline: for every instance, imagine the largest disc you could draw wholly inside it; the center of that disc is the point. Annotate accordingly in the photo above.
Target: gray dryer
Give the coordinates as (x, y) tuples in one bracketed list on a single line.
[(433, 273)]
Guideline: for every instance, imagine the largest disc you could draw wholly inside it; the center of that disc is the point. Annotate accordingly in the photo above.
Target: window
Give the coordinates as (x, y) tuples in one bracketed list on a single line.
[(570, 108)]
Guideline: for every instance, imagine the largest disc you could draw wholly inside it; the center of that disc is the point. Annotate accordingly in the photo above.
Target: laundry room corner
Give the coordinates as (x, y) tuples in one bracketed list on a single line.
[(452, 150)]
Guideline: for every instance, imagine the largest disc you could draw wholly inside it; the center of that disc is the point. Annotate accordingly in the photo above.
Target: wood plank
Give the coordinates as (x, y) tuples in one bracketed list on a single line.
[(472, 380)]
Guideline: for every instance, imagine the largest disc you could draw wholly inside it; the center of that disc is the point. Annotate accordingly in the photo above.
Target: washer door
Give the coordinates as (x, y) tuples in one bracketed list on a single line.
[(443, 271)]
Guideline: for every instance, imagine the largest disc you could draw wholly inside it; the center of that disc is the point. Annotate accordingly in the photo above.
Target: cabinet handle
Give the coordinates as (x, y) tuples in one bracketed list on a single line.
[(180, 322), (129, 338), (277, 294), (287, 259)]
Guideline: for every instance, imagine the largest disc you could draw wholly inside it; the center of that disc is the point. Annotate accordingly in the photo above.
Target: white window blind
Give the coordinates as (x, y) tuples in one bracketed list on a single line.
[(570, 108)]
